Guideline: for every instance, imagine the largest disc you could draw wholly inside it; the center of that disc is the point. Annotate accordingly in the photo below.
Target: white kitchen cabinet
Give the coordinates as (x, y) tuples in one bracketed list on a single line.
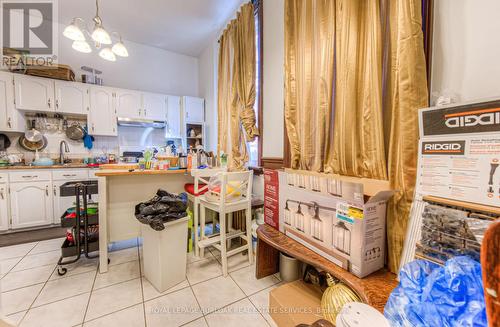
[(31, 204), (174, 117), (102, 115), (4, 207), (71, 98), (129, 104), (34, 93), (155, 106), (11, 120), (194, 109)]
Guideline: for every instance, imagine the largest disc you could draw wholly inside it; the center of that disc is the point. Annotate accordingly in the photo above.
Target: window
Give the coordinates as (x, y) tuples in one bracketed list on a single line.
[(255, 147)]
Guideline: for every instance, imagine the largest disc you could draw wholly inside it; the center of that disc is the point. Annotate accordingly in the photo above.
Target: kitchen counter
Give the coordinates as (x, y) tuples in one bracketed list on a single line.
[(123, 172), (67, 166)]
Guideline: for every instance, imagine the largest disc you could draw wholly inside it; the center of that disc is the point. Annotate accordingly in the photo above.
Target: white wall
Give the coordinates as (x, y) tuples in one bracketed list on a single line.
[(208, 90), (274, 80), (147, 68), (466, 49)]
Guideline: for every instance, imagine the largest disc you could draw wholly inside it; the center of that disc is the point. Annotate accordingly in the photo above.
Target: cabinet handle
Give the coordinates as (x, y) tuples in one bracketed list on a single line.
[(27, 176), (57, 104), (69, 175), (47, 190), (9, 124), (145, 112), (139, 112), (48, 102), (2, 195), (93, 129), (54, 188)]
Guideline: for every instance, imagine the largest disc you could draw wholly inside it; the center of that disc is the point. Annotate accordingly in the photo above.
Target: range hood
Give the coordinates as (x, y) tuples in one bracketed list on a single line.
[(133, 122)]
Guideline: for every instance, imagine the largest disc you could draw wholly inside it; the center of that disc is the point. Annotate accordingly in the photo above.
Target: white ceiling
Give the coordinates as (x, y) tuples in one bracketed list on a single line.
[(182, 26)]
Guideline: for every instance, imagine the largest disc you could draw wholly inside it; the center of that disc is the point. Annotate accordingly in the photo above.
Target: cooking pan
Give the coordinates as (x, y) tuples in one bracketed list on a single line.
[(32, 146), (75, 132), (4, 142), (33, 135)]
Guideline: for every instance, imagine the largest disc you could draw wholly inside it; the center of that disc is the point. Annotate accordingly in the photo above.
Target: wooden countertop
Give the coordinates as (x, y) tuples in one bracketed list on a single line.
[(373, 289), (70, 166), (123, 172)]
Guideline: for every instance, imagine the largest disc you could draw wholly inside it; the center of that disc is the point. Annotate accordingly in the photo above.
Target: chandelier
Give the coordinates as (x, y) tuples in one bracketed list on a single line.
[(99, 36)]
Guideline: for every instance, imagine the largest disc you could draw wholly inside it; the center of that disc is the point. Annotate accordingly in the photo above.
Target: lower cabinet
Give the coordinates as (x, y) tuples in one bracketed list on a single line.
[(31, 204), (61, 203), (4, 213)]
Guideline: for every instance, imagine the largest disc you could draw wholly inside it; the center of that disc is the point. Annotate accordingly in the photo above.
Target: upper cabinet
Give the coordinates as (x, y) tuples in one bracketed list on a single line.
[(129, 104), (11, 120), (34, 93), (72, 98), (102, 115), (174, 117), (155, 106), (194, 109)]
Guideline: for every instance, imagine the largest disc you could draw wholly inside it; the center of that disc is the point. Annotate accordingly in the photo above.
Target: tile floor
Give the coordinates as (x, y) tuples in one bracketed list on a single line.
[(33, 294)]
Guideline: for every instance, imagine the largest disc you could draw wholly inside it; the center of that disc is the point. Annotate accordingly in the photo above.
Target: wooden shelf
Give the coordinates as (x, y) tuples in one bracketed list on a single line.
[(373, 289)]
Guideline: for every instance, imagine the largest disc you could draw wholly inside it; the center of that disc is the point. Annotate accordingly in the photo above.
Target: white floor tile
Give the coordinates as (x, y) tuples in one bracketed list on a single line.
[(150, 292), (261, 301), (240, 314), (111, 299), (192, 258), (216, 293), (15, 251), (59, 289), (245, 278), (38, 260), (48, 245), (65, 313), (25, 278), (197, 323), (202, 270), (236, 262), (7, 264), (15, 319), (174, 309), (81, 266), (122, 256), (130, 317), (19, 299), (117, 274)]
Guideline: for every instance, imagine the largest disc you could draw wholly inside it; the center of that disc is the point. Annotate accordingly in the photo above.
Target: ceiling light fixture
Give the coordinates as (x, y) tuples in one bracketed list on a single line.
[(99, 37)]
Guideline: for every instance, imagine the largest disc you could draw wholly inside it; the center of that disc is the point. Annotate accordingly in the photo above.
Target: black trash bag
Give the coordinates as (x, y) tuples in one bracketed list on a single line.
[(162, 208)]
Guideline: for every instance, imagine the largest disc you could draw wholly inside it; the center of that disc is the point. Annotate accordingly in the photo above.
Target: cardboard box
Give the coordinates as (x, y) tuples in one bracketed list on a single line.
[(340, 218), (295, 303)]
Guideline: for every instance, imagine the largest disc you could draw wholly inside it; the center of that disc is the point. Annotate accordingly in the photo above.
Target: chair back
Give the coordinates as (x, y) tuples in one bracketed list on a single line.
[(202, 176), (236, 183)]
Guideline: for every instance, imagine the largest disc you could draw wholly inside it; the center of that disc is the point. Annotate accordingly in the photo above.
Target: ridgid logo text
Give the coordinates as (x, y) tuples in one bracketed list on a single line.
[(483, 117), (444, 148)]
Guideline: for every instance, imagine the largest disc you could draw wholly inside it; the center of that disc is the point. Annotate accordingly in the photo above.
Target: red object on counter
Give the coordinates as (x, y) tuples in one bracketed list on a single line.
[(93, 165)]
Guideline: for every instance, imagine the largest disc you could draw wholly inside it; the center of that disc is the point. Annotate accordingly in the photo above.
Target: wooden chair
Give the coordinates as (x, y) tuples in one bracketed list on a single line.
[(194, 191), (232, 184)]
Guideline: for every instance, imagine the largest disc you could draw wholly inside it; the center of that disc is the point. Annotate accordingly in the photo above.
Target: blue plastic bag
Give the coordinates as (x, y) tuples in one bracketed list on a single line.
[(429, 295)]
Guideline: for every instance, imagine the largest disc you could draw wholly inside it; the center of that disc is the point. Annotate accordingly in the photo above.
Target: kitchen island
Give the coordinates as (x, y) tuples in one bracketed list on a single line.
[(120, 190)]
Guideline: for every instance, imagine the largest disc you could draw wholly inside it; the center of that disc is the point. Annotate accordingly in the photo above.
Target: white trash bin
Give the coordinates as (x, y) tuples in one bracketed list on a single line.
[(165, 254)]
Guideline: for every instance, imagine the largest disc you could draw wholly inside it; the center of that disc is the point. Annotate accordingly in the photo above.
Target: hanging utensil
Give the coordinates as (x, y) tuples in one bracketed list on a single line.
[(33, 135), (32, 146), (4, 142), (75, 132)]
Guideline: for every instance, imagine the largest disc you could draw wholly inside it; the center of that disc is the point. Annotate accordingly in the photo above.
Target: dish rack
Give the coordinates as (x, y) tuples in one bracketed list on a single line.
[(85, 241)]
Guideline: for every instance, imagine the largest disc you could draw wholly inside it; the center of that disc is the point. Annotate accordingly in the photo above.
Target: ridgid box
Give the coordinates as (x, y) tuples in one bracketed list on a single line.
[(343, 219)]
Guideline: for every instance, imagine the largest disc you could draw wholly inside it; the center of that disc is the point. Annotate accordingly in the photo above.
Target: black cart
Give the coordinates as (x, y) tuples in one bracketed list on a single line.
[(84, 241)]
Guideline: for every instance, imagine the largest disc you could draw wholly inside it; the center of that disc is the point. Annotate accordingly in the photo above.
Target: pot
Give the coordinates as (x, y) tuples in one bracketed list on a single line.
[(33, 135), (32, 146), (75, 132), (4, 142)]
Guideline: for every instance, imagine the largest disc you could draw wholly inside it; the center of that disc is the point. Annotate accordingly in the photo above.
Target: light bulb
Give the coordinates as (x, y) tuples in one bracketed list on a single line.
[(81, 46), (107, 54), (73, 32), (100, 35), (120, 50)]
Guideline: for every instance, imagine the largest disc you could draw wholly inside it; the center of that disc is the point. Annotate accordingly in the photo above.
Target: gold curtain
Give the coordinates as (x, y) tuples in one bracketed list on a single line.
[(406, 93), (309, 76), (358, 148)]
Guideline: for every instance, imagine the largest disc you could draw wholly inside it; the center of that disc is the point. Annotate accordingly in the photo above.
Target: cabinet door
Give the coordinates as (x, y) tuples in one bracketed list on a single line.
[(11, 120), (174, 117), (102, 114), (194, 109), (31, 204), (61, 203), (72, 98), (155, 106), (4, 214), (128, 104), (34, 93)]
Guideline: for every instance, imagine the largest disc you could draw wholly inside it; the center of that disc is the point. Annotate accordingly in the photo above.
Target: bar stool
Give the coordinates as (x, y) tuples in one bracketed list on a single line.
[(238, 185), (194, 191)]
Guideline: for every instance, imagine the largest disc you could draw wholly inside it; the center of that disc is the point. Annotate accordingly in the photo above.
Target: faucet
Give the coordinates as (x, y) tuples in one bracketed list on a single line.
[(61, 153)]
